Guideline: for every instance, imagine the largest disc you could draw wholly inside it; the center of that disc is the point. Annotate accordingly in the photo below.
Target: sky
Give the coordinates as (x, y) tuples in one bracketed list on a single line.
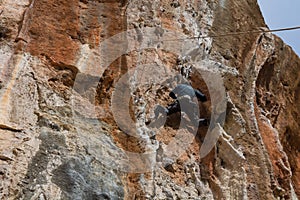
[(283, 14)]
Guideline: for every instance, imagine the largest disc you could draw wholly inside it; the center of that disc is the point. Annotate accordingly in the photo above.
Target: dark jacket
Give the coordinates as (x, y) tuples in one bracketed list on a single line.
[(184, 89)]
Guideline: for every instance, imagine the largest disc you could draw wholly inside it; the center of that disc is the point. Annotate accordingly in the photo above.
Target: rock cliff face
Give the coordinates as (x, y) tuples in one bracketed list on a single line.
[(80, 79)]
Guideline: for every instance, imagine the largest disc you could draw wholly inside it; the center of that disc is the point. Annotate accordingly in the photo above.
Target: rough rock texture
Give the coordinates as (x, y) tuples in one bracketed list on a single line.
[(66, 118)]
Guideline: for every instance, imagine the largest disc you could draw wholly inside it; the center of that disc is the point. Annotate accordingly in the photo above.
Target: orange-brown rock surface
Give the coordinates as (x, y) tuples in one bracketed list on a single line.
[(80, 79)]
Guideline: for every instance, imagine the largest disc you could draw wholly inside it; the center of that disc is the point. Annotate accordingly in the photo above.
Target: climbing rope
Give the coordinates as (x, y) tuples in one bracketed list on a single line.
[(237, 33)]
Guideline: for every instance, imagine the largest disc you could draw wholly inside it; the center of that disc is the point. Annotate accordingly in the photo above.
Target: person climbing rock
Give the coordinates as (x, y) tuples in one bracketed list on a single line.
[(183, 95), (184, 89)]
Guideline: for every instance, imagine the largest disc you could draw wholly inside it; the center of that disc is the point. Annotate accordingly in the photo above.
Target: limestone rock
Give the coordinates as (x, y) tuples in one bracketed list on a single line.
[(80, 80)]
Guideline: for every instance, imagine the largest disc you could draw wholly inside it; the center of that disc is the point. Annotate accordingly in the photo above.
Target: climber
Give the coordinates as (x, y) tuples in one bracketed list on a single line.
[(183, 95), (184, 89)]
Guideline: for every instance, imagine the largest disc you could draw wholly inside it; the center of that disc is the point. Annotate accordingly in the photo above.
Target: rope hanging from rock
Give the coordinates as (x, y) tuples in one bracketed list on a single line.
[(239, 33)]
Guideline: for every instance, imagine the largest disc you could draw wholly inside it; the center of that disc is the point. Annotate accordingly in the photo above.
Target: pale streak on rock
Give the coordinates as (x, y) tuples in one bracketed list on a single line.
[(18, 63)]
